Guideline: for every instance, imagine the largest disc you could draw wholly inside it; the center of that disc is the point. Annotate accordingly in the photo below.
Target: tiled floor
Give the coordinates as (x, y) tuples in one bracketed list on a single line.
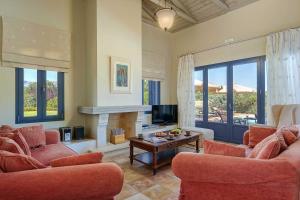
[(140, 184)]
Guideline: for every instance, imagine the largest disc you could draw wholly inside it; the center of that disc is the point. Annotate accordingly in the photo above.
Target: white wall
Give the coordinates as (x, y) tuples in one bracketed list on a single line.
[(119, 34), (53, 13), (158, 43), (259, 18)]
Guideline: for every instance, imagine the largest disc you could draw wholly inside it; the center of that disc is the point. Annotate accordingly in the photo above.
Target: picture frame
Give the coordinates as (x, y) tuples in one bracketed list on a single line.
[(120, 72)]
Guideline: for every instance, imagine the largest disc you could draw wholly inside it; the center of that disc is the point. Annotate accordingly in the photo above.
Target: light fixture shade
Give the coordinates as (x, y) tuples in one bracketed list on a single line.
[(165, 18)]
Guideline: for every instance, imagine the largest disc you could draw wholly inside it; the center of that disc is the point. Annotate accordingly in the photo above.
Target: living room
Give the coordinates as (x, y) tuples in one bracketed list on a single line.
[(149, 99)]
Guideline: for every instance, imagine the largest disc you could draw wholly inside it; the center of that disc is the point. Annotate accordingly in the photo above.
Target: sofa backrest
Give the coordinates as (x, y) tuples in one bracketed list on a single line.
[(286, 114), (292, 155)]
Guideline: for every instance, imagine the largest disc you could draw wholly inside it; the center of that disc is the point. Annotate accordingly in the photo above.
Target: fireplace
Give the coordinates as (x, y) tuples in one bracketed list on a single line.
[(101, 120), (126, 121)]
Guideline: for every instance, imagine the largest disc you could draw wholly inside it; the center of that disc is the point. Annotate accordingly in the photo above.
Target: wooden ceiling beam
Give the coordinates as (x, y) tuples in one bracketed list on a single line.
[(148, 13), (178, 4), (179, 12), (221, 4)]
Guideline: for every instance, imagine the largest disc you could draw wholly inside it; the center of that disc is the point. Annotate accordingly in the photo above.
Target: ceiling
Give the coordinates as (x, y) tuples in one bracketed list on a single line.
[(190, 12)]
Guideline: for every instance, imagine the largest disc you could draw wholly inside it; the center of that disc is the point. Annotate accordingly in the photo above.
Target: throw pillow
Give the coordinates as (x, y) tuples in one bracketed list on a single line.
[(7, 144), (12, 162), (288, 136), (294, 129), (6, 129), (19, 139), (218, 148), (283, 145), (266, 149), (34, 135), (89, 158), (258, 133)]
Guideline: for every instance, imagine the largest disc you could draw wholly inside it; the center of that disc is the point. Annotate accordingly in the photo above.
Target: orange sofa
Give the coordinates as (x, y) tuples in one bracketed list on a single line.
[(216, 177), (219, 177), (89, 181)]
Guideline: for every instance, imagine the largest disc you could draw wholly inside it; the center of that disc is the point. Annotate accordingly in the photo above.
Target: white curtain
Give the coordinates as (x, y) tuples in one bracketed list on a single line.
[(283, 69), (186, 92)]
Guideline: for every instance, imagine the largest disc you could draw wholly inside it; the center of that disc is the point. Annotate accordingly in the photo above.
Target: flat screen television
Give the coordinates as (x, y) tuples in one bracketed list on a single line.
[(164, 114)]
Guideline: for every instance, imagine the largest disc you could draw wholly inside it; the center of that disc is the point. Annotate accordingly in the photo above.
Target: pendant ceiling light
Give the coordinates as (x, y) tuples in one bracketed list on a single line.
[(165, 17)]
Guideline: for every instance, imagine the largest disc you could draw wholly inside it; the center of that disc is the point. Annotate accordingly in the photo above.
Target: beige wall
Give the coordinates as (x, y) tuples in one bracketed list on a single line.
[(119, 34), (256, 19), (90, 27), (158, 42), (58, 14)]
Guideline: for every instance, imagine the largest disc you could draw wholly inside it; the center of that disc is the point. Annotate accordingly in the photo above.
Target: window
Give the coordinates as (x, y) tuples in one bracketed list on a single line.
[(230, 96), (151, 92), (39, 95)]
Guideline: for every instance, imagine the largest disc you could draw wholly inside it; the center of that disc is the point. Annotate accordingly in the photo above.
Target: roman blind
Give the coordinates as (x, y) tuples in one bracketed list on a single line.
[(154, 65), (26, 44)]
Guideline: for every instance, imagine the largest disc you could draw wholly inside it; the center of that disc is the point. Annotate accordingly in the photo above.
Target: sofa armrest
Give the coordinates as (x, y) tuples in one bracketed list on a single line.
[(83, 159), (220, 148), (52, 137), (95, 181), (232, 170)]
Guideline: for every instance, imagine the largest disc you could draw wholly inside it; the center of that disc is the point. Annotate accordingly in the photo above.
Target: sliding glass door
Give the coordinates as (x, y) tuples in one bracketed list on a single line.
[(228, 97)]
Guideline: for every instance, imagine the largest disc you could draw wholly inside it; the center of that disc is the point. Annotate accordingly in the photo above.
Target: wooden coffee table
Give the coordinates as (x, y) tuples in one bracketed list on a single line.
[(159, 154)]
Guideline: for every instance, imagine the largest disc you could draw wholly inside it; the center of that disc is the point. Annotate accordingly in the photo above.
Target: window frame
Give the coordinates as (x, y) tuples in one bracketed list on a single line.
[(154, 92), (260, 60), (41, 98)]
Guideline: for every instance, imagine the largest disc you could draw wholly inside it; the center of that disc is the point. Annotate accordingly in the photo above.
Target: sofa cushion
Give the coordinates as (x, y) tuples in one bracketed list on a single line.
[(34, 135), (50, 152), (6, 129), (218, 148), (12, 162), (289, 137), (258, 133), (268, 148), (88, 158), (294, 129), (283, 145), (7, 144), (19, 139)]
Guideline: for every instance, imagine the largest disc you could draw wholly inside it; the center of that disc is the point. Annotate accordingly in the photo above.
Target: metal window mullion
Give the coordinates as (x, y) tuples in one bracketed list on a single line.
[(60, 98), (41, 95)]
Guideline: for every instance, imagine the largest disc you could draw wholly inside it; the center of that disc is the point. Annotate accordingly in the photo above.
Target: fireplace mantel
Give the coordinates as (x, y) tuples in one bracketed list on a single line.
[(103, 117), (97, 110)]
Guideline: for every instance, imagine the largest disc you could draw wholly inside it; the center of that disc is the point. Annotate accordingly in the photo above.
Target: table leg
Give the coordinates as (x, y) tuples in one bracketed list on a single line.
[(154, 162), (197, 145), (131, 154)]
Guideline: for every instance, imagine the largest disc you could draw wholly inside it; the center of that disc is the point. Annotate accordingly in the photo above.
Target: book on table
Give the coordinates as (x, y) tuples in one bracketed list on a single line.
[(156, 140)]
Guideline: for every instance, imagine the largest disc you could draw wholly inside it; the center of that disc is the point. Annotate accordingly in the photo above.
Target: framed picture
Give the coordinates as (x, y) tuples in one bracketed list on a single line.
[(120, 75)]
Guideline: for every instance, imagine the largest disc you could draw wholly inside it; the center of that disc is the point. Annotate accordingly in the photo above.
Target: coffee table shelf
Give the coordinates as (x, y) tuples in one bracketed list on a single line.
[(159, 154), (163, 158)]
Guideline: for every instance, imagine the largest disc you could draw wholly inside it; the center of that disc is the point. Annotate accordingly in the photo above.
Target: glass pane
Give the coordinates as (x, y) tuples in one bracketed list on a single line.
[(30, 93), (199, 94), (146, 92), (245, 94), (51, 93), (217, 95)]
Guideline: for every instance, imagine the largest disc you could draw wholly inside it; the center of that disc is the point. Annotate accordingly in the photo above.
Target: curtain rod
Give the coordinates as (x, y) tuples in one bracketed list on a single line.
[(231, 43)]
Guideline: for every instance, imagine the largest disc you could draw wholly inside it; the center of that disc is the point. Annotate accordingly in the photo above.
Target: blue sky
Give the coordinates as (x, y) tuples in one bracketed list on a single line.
[(31, 75), (245, 75)]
